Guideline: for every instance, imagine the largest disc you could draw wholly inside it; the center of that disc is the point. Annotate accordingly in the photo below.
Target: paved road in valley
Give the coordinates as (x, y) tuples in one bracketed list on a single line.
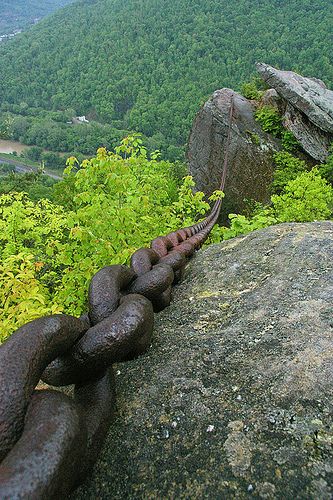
[(22, 168)]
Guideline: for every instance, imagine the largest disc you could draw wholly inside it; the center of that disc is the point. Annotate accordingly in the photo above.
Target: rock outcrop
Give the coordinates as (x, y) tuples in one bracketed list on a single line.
[(271, 98), (306, 106), (313, 140), (235, 396), (249, 154), (309, 108)]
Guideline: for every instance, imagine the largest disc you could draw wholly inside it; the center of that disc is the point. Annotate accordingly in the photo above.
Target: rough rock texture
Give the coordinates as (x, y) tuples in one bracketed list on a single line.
[(271, 98), (313, 140), (309, 95), (234, 399), (250, 151), (310, 108)]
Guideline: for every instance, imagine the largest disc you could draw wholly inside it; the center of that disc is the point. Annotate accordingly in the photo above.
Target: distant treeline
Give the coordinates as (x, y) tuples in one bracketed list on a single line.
[(18, 14), (148, 65)]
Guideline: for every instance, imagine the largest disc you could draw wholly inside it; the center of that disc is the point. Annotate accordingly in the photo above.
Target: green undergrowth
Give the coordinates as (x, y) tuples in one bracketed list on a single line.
[(101, 212), (299, 194), (36, 184), (109, 206), (271, 122), (253, 89)]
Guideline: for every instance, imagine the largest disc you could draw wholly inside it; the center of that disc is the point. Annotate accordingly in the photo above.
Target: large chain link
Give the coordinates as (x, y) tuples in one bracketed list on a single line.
[(49, 441)]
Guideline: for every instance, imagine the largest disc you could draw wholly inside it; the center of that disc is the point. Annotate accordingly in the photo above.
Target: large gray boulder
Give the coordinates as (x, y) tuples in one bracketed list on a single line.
[(234, 399), (309, 114), (249, 153), (308, 95)]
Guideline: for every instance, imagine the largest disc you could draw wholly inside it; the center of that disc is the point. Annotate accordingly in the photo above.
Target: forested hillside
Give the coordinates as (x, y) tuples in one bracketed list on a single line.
[(17, 14), (147, 65)]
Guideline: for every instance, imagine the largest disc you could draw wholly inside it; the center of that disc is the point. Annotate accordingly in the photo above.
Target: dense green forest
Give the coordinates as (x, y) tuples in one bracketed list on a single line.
[(147, 65), (19, 14)]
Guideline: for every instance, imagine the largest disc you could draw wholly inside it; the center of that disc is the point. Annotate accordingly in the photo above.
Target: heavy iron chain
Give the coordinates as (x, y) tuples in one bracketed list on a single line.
[(50, 441)]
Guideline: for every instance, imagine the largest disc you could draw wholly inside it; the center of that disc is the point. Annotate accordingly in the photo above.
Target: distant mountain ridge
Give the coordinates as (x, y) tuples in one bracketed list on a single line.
[(18, 14), (149, 64)]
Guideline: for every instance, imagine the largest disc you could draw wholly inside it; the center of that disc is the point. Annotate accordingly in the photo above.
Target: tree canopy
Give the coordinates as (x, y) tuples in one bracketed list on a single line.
[(147, 65), (18, 14)]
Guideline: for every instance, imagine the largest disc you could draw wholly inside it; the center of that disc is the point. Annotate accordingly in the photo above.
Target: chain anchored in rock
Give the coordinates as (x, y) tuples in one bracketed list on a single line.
[(48, 440), (62, 350)]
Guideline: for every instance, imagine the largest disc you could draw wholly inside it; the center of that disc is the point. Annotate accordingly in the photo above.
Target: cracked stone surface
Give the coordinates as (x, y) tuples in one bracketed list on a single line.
[(234, 398), (309, 108), (308, 95), (313, 140), (249, 153)]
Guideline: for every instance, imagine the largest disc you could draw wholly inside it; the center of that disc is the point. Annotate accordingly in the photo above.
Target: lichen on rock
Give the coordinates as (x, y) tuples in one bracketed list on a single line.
[(234, 399)]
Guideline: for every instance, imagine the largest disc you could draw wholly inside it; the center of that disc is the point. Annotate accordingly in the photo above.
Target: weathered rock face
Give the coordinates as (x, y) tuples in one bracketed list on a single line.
[(309, 114), (271, 98), (307, 109), (312, 139), (249, 154), (308, 95), (235, 396)]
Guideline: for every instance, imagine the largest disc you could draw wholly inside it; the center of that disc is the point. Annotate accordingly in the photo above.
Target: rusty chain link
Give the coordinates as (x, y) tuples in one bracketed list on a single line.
[(49, 441)]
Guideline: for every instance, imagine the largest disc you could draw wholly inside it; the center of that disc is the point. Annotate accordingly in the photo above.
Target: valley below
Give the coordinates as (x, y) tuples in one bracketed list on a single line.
[(21, 165)]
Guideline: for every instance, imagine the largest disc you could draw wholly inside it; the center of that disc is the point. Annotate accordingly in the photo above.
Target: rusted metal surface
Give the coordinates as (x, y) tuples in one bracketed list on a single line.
[(44, 434), (23, 358), (45, 460), (49, 441), (124, 335)]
